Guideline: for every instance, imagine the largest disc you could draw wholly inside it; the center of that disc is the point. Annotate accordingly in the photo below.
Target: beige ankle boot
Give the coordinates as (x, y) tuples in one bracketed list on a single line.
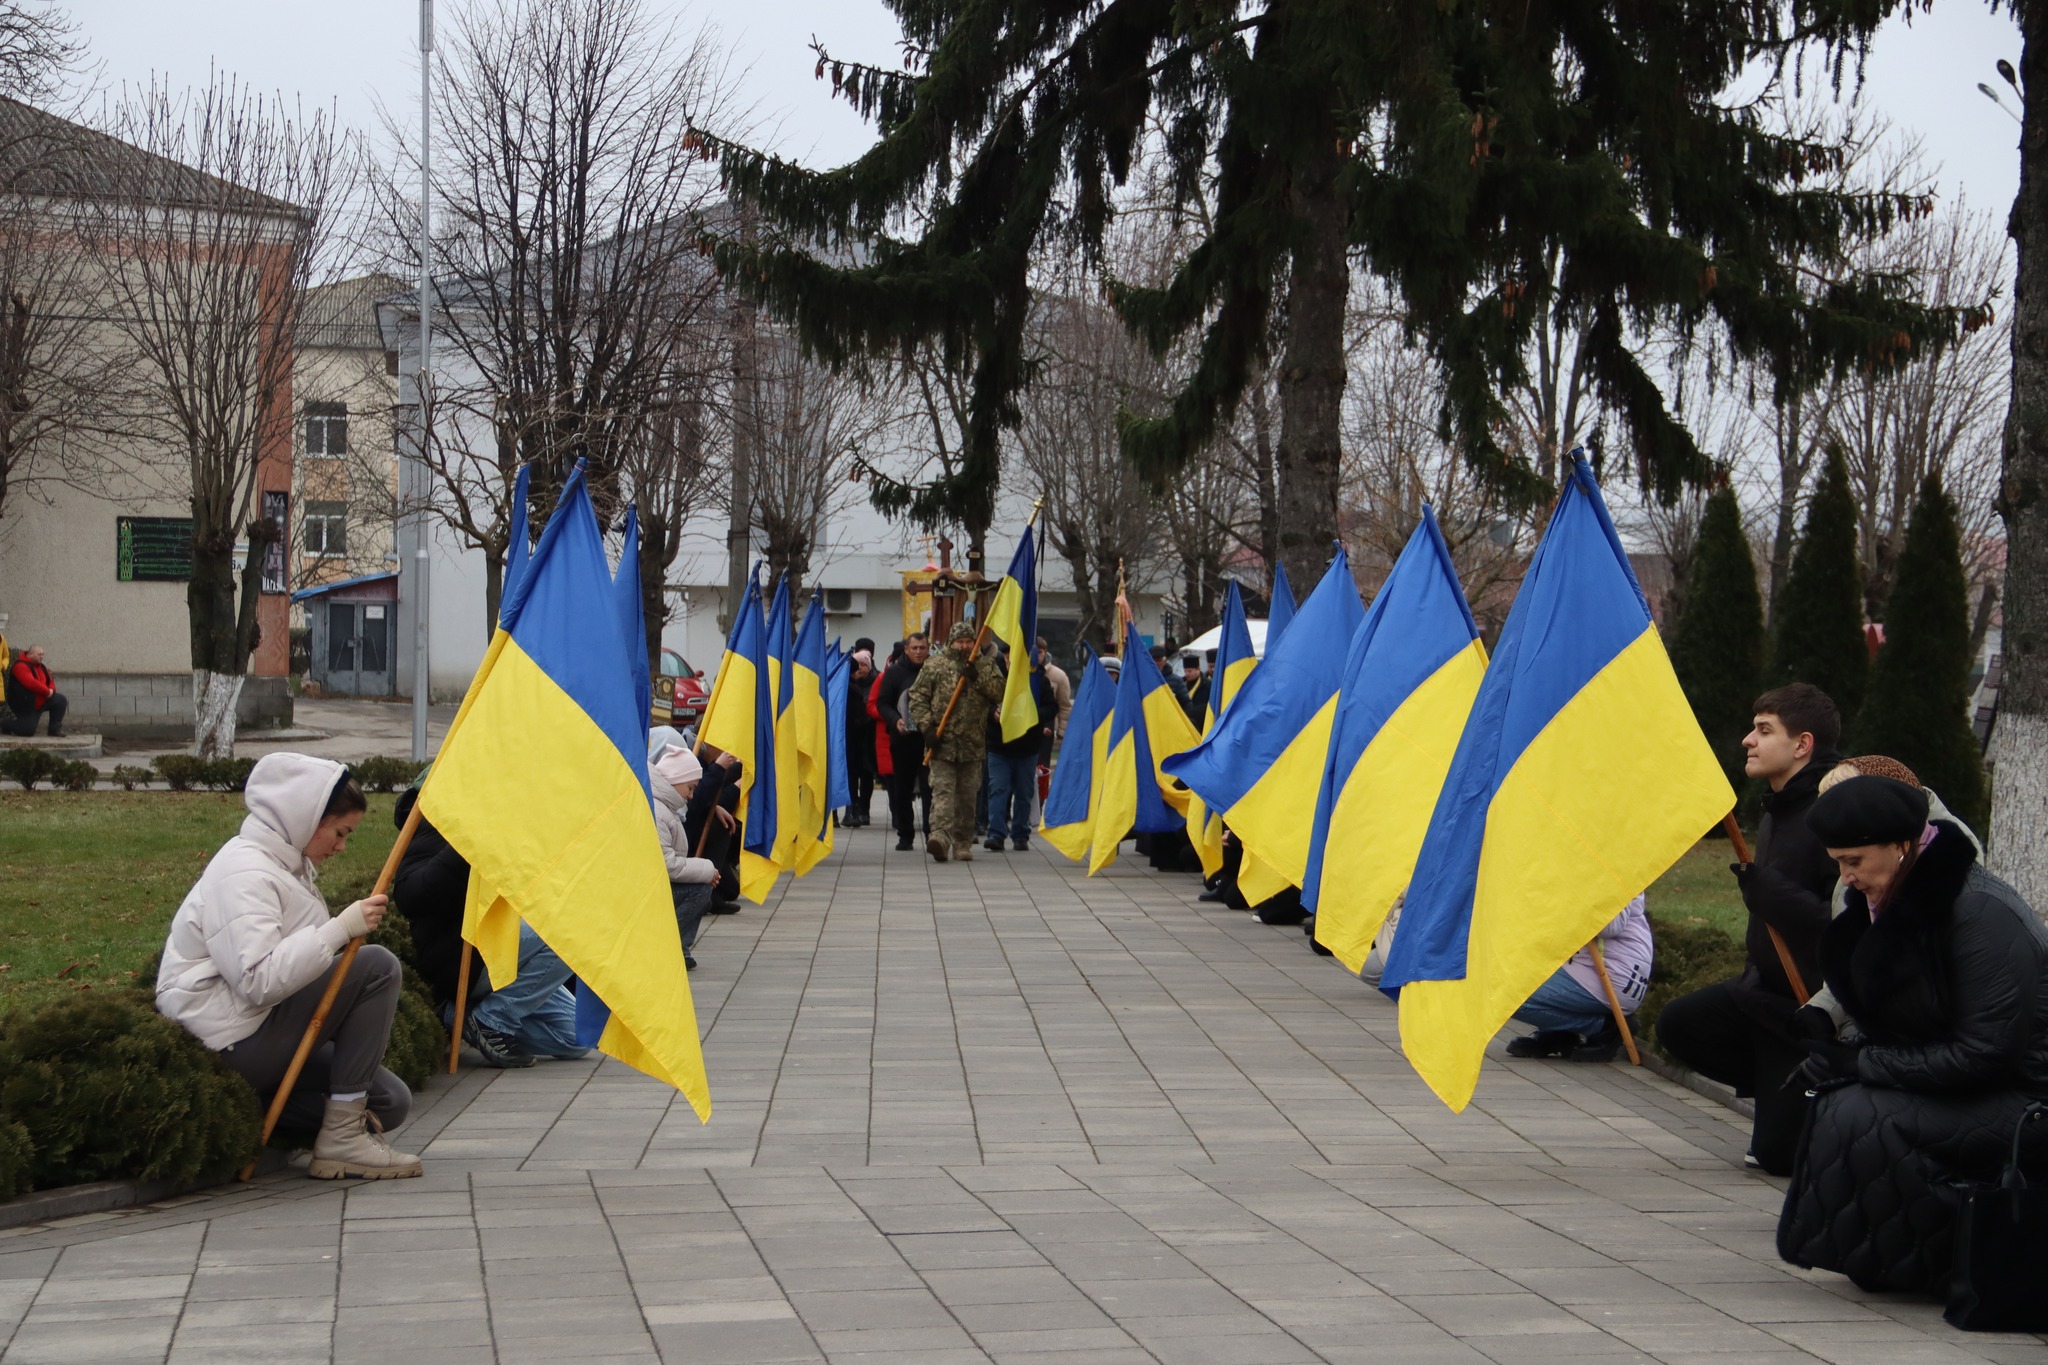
[(351, 1146)]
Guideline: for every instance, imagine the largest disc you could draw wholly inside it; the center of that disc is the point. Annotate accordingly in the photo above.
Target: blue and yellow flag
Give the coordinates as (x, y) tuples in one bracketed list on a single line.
[(555, 694), (838, 679), (807, 717), (1409, 679), (1068, 820), (732, 712), (1235, 660), (1013, 619), (770, 837), (1280, 611), (1147, 728), (1263, 765), (1581, 776)]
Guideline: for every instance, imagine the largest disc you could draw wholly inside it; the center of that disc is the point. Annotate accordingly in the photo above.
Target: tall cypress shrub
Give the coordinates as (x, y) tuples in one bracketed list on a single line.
[(1717, 647), (1917, 708), (1818, 634)]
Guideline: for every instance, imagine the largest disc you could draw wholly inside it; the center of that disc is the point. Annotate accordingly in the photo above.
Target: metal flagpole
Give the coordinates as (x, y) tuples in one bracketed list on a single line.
[(421, 381)]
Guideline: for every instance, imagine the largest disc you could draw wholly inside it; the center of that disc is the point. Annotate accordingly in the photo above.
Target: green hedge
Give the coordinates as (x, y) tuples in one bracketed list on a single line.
[(1691, 953)]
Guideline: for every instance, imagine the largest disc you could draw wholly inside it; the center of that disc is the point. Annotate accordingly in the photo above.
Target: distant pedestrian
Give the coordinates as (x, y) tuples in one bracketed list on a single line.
[(32, 694), (860, 739), (909, 781), (955, 752)]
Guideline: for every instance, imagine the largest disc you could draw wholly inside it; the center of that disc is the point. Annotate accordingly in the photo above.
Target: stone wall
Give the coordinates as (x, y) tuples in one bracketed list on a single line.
[(159, 705)]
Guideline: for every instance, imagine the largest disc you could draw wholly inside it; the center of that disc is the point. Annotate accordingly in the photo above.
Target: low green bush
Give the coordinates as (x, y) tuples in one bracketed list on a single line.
[(106, 1088), (181, 771), (76, 776), (384, 773), (130, 777), (1691, 953), (226, 774), (30, 766)]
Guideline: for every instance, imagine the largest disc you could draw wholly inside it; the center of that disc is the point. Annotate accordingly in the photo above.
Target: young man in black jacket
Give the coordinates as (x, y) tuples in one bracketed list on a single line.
[(1742, 1031)]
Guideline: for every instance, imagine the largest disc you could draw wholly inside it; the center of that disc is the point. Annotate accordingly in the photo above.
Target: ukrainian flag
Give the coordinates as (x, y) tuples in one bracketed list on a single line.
[(729, 713), (1412, 671), (1147, 728), (1263, 765), (811, 737), (1280, 611), (1234, 663), (1581, 776), (838, 678), (768, 847), (1068, 819), (1013, 619), (555, 696)]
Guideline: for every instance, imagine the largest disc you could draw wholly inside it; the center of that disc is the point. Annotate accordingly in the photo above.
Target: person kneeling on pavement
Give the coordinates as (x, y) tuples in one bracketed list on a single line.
[(1570, 1010), (248, 958), (691, 881), (1942, 971), (533, 1015)]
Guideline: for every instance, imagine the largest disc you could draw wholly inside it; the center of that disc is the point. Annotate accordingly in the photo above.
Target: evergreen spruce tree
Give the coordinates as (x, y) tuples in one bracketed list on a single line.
[(1917, 708), (1818, 634), (1717, 647), (1498, 165)]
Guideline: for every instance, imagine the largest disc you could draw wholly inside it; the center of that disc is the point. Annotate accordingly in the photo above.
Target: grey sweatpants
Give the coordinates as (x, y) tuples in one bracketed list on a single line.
[(346, 1057)]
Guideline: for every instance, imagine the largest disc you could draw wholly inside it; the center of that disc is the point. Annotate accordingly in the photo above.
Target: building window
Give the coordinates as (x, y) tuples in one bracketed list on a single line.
[(326, 430), (327, 529)]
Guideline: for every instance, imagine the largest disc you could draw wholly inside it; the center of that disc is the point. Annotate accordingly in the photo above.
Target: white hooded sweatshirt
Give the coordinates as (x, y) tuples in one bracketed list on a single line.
[(675, 765), (254, 929)]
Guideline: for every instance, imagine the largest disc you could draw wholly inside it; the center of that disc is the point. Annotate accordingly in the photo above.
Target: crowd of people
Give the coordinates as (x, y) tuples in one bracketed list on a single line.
[(1890, 1023)]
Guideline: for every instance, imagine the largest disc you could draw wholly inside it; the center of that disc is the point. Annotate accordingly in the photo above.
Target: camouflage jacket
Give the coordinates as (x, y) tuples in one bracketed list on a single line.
[(966, 734)]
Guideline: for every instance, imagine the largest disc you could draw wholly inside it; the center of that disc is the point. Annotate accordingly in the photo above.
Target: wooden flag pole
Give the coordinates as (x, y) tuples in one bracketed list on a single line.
[(1742, 855), (340, 973), (1628, 1039), (461, 1006), (980, 636)]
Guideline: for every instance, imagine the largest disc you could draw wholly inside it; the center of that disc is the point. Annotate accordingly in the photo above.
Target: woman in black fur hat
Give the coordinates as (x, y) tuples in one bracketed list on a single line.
[(1943, 970)]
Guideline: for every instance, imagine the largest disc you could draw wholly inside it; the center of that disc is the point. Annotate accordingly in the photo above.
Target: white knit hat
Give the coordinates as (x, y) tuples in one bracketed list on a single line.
[(677, 766)]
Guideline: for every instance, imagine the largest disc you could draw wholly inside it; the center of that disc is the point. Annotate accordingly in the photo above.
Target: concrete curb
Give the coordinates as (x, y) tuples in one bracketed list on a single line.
[(1698, 1084), (104, 1196)]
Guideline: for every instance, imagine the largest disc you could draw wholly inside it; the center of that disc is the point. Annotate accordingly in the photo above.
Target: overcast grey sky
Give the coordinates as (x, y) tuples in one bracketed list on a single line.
[(357, 52)]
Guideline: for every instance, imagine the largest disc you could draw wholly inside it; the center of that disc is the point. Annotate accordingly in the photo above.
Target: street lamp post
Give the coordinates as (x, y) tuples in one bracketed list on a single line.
[(422, 376)]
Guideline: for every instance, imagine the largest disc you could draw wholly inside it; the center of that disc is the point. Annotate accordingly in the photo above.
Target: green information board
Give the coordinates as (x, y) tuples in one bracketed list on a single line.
[(152, 549)]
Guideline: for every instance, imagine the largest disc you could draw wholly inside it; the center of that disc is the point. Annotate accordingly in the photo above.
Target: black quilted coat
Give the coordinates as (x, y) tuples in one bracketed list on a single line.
[(1949, 989)]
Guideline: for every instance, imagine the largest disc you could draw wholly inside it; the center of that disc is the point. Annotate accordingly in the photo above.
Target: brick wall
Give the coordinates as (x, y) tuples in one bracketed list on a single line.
[(159, 705)]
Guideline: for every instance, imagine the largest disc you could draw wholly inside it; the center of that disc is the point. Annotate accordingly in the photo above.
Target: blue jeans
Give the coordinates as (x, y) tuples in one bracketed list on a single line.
[(1562, 1004), (535, 1007), (1011, 781)]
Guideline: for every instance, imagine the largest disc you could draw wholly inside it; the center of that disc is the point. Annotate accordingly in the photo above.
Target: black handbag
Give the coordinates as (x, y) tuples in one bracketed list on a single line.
[(2000, 1279)]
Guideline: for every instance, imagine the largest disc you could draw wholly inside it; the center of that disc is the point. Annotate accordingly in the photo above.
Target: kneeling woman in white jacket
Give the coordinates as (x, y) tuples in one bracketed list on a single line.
[(249, 955)]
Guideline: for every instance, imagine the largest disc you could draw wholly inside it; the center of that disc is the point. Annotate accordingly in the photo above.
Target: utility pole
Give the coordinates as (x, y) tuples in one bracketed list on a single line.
[(422, 389)]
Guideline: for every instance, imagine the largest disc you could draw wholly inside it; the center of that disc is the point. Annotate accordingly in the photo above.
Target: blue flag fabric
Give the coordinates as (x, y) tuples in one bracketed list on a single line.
[(1281, 612)]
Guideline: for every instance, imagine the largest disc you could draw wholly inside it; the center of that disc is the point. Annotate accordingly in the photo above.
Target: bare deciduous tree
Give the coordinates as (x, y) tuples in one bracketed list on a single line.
[(810, 426), (205, 245), (572, 206)]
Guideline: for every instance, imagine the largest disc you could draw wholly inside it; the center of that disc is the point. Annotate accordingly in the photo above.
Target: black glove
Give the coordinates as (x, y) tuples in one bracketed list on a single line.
[(1827, 1062), (1812, 1024)]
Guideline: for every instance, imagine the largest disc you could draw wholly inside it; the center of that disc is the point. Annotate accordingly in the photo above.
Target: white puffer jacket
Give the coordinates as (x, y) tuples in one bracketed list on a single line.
[(253, 930), (675, 840)]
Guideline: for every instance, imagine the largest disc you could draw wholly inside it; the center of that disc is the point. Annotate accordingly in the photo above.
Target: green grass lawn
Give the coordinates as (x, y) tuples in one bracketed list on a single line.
[(1699, 886), (89, 880)]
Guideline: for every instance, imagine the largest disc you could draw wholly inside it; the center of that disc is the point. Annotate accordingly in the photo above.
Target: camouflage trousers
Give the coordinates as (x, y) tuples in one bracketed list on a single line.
[(955, 787)]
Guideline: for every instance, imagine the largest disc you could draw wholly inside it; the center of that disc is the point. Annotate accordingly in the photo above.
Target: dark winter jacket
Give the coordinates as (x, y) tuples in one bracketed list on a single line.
[(1949, 985), (896, 681), (1046, 708), (1198, 702), (1949, 990), (1790, 884), (429, 890), (713, 789)]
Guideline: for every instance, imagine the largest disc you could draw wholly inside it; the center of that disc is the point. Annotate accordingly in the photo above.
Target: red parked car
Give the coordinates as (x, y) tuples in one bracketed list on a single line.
[(679, 694)]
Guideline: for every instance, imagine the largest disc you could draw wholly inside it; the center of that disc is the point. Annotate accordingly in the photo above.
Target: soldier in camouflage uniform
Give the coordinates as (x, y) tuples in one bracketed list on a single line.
[(956, 756)]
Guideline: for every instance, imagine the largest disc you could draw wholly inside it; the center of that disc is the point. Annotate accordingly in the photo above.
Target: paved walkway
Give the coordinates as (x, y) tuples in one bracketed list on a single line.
[(997, 1112)]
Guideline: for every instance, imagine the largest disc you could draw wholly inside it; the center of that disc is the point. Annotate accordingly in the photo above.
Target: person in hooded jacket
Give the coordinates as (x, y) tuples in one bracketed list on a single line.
[(250, 951), (910, 779), (692, 880), (1740, 1031), (860, 736), (1943, 971)]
